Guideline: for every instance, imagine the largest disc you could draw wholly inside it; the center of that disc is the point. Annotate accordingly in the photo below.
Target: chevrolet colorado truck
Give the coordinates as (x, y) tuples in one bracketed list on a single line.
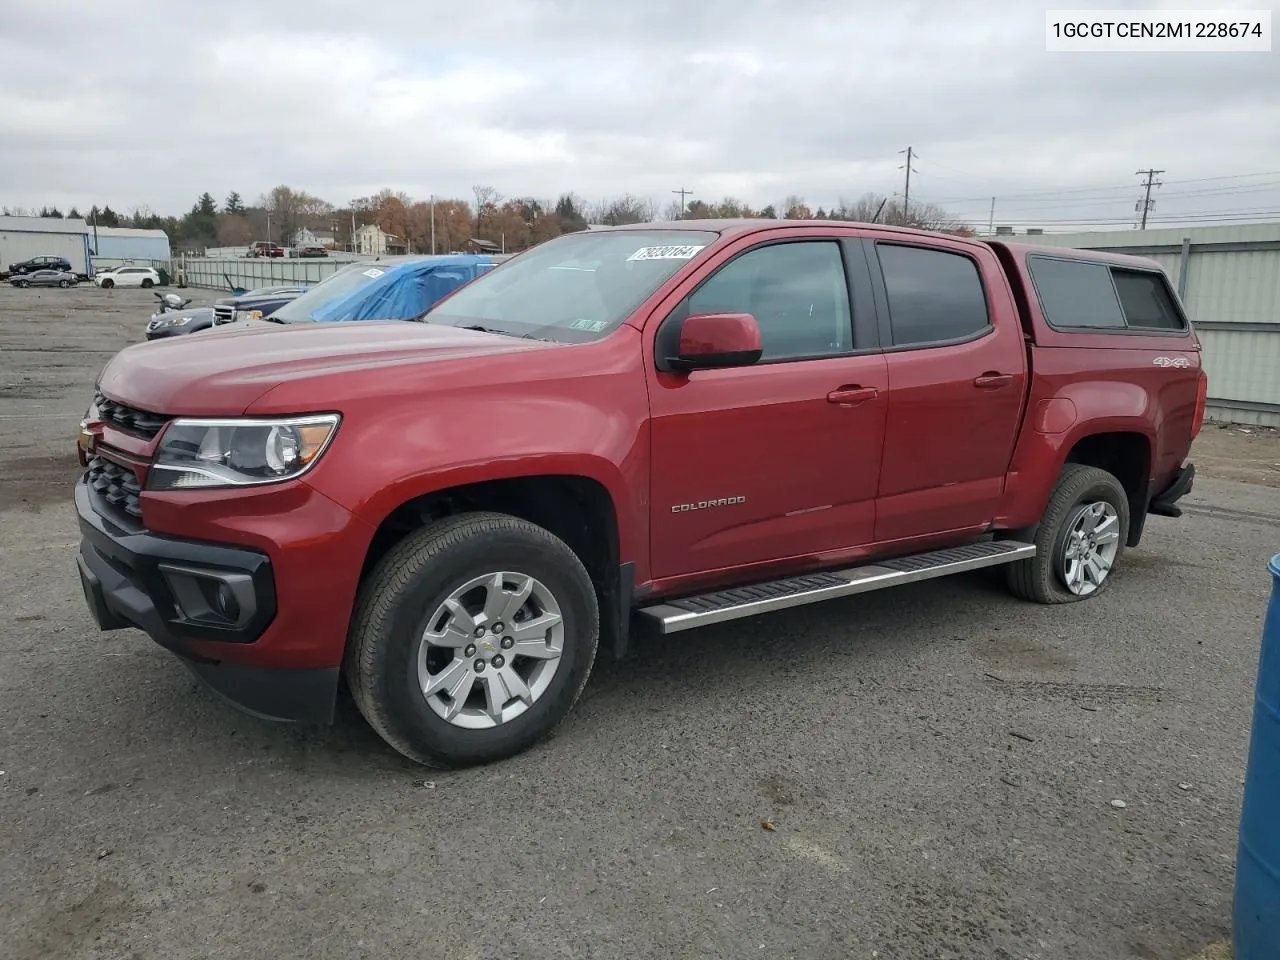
[(681, 423)]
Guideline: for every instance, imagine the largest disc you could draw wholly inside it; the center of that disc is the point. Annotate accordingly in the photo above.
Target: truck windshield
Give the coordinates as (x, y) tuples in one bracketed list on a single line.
[(574, 288), (339, 284)]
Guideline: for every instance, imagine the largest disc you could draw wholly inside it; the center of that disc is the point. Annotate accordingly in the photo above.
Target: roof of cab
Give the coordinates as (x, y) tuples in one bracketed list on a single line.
[(729, 227)]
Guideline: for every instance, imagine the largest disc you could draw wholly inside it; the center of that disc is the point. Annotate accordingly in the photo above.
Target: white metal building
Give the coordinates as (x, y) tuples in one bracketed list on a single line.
[(1229, 279), (22, 238)]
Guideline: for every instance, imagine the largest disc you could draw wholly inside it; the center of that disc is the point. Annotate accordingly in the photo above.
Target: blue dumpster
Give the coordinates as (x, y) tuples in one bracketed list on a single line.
[(1257, 900)]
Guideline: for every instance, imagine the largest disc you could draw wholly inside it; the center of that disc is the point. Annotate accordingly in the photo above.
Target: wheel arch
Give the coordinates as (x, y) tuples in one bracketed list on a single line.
[(1127, 456), (577, 508), (1123, 446)]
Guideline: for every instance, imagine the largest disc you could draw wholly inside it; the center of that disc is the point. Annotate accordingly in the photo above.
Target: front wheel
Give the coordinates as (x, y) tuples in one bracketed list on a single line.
[(64, 284), (1079, 540), (22, 283), (472, 639)]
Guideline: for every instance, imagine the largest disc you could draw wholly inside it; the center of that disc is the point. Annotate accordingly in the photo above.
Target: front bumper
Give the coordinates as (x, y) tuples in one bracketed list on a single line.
[(209, 604)]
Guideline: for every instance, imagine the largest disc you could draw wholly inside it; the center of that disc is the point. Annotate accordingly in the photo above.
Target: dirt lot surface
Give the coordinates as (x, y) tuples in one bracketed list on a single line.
[(949, 773)]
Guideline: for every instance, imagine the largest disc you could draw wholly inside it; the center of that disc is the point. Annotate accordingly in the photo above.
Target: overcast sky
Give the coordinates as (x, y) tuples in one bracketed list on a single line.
[(140, 102)]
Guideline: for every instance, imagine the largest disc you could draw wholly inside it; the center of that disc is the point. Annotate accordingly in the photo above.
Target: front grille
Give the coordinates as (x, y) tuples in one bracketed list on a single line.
[(224, 312), (116, 485), (127, 418)]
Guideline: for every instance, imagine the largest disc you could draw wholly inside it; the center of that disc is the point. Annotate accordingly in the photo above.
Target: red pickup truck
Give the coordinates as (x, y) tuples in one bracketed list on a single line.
[(687, 423)]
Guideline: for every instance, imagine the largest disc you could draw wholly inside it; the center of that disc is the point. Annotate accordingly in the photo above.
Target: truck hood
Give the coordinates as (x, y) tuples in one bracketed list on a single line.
[(222, 375)]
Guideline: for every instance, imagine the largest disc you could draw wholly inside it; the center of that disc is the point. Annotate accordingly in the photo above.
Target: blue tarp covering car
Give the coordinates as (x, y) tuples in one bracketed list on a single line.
[(393, 288)]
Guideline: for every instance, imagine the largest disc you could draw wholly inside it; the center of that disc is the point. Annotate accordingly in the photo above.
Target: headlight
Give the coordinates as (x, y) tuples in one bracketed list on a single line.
[(164, 321), (240, 452), (248, 314)]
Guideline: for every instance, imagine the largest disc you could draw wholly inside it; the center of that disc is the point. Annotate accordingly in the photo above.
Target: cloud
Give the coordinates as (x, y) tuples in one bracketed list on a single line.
[(146, 103)]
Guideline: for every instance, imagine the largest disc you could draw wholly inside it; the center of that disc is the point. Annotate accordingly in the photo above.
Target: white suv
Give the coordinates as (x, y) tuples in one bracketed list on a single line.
[(128, 277)]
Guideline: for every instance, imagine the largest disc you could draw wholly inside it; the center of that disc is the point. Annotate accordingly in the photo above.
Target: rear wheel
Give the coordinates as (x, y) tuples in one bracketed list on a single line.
[(472, 639), (1079, 540), (23, 283), (146, 283)]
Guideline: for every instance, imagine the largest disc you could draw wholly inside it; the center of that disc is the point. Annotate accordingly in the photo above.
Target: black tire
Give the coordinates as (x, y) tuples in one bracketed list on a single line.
[(23, 283), (108, 284), (146, 283), (64, 284), (1037, 579), (410, 583)]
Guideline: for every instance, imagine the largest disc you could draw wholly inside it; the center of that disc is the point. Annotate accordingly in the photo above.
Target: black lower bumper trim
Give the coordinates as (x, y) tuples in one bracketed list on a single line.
[(174, 590), (272, 693), (136, 579), (1166, 503)]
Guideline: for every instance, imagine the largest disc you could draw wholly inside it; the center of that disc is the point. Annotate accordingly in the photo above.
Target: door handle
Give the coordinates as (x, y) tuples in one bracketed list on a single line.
[(993, 381), (852, 395)]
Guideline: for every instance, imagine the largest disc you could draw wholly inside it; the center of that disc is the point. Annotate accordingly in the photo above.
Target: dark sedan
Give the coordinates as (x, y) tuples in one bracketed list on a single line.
[(251, 305), (41, 263), (45, 278)]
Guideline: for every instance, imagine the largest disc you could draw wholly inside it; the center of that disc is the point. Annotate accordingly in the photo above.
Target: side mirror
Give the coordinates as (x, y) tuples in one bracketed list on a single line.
[(717, 340)]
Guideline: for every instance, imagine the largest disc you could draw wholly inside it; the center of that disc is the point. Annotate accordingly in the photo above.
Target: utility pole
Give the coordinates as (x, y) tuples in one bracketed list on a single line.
[(683, 193), (1146, 203), (906, 190), (433, 224), (991, 220)]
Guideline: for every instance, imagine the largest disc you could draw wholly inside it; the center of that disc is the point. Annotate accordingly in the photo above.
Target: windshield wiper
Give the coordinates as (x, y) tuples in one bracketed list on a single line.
[(476, 326)]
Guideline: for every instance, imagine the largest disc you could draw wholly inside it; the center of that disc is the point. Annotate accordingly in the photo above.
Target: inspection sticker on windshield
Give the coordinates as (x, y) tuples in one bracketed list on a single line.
[(593, 326), (687, 252), (373, 272)]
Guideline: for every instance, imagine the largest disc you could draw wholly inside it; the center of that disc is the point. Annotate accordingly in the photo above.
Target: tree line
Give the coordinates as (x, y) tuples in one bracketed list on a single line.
[(511, 223)]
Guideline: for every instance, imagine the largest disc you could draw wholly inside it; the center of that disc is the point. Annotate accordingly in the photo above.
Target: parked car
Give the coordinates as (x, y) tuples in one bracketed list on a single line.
[(310, 250), (45, 278), (256, 303), (690, 423), (250, 305), (41, 263), (390, 288), (263, 248), (127, 276)]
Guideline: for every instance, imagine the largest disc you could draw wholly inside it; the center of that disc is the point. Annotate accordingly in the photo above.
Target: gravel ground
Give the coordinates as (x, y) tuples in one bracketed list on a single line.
[(932, 772)]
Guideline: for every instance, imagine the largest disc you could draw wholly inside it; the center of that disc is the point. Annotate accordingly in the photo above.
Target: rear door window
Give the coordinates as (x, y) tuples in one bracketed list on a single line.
[(935, 296)]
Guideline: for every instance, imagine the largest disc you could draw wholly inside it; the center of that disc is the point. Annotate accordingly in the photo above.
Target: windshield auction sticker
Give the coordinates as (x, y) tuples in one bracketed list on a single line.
[(686, 252)]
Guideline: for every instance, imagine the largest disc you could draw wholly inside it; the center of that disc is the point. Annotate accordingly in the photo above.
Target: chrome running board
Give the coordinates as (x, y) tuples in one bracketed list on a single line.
[(673, 616)]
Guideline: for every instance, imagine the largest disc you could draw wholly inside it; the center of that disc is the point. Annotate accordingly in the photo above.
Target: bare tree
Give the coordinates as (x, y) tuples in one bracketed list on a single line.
[(794, 208), (624, 209), (865, 209), (487, 199)]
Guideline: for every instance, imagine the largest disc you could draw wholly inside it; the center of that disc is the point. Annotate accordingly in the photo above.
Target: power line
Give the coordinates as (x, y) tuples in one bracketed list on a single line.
[(1168, 218), (1100, 189), (1265, 187)]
